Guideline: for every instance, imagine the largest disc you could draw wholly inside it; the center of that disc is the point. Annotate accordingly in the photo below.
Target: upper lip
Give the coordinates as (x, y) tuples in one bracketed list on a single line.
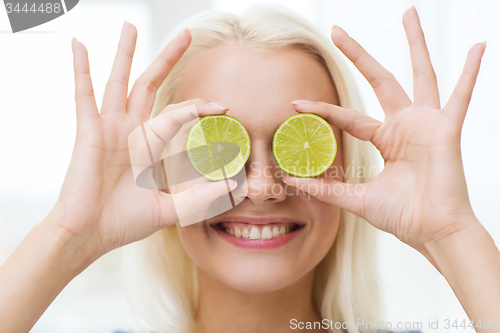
[(257, 220)]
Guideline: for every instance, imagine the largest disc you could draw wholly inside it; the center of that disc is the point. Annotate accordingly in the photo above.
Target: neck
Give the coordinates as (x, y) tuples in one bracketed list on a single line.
[(224, 309)]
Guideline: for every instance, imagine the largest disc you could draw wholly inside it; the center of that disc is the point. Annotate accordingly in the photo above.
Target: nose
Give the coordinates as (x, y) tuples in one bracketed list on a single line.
[(264, 177)]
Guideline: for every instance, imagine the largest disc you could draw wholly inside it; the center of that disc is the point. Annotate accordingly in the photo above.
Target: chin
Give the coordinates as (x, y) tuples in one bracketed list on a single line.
[(257, 275)]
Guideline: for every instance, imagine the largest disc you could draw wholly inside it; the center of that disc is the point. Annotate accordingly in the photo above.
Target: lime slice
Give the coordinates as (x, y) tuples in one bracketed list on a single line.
[(218, 146), (304, 145)]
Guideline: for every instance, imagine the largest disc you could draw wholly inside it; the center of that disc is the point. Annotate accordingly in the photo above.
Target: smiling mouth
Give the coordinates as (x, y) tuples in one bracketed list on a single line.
[(257, 231)]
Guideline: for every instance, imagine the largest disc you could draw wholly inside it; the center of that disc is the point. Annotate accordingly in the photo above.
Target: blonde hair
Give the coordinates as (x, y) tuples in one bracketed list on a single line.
[(164, 286)]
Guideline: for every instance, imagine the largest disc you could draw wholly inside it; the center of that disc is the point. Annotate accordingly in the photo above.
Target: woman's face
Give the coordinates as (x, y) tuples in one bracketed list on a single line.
[(257, 85)]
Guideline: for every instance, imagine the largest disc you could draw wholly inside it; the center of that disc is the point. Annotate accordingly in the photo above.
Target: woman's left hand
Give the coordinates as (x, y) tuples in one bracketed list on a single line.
[(421, 194)]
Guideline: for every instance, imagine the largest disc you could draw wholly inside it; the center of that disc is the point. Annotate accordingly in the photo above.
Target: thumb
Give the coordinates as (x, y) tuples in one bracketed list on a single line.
[(194, 204), (343, 195)]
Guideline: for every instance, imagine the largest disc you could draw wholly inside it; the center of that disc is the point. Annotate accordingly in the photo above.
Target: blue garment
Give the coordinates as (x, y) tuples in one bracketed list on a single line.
[(410, 331)]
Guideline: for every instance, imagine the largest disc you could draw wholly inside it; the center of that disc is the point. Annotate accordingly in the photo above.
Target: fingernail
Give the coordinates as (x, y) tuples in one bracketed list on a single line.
[(232, 184), (414, 9), (218, 105), (338, 28), (73, 44), (182, 33), (301, 102), (285, 177)]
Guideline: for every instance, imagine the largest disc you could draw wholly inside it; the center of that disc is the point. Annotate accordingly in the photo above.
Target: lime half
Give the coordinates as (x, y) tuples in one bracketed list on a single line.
[(218, 146), (304, 145)]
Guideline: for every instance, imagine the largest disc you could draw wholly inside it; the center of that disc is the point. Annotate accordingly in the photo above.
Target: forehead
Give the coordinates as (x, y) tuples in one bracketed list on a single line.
[(256, 84)]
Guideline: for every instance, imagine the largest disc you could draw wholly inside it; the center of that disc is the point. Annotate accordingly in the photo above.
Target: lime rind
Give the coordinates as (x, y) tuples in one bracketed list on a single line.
[(290, 138), (212, 141)]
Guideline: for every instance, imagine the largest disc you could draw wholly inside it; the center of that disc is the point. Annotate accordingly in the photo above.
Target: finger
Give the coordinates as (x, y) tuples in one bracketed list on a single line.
[(192, 205), (457, 105), (203, 107), (346, 196), (167, 124), (390, 94), (425, 89), (86, 107), (353, 122), (115, 95), (144, 90)]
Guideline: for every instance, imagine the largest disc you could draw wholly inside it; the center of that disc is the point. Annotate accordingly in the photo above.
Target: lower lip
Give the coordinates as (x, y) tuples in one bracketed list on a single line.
[(257, 244)]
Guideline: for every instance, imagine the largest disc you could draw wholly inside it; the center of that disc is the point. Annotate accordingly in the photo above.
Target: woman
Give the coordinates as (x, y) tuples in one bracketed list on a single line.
[(195, 278)]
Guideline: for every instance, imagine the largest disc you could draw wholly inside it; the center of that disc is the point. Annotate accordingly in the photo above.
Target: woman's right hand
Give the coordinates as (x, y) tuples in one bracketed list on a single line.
[(100, 206)]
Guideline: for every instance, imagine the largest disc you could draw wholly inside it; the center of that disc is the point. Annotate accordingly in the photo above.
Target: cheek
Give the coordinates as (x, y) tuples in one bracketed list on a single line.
[(195, 242), (325, 227)]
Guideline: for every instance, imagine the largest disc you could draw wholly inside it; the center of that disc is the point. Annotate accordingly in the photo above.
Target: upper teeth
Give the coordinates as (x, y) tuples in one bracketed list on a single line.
[(255, 232)]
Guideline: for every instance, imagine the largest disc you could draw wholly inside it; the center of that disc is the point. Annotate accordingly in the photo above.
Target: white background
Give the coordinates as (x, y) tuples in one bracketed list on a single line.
[(37, 128)]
